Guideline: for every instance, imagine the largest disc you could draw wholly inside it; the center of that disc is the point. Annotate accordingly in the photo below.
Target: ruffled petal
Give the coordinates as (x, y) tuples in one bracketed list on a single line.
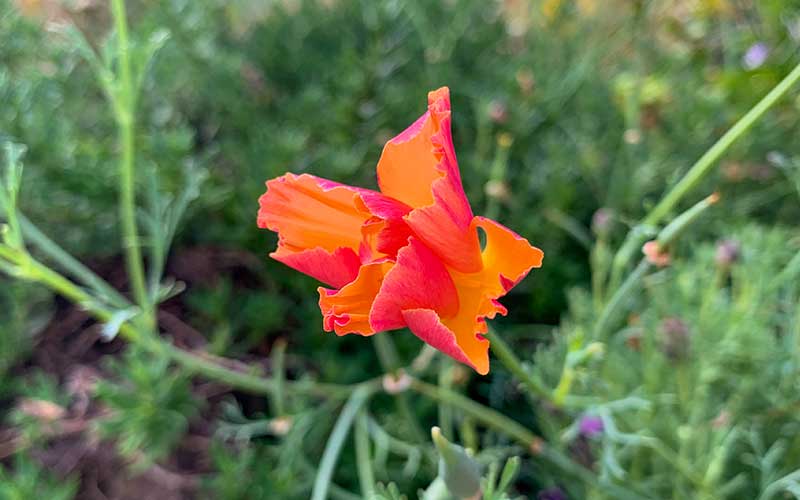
[(347, 310), (507, 258), (335, 269), (419, 167), (426, 325), (322, 226), (418, 280), (310, 212)]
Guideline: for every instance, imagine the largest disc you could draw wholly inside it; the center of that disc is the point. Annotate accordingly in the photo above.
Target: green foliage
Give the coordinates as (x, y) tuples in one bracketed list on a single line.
[(150, 405), (28, 480), (696, 391)]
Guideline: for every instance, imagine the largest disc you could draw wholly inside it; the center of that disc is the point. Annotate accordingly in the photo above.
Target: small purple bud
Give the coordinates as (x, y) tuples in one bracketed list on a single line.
[(591, 425), (728, 252), (555, 493), (755, 55)]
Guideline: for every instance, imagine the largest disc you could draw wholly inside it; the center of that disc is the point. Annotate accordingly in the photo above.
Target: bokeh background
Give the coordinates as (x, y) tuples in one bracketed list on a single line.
[(571, 119)]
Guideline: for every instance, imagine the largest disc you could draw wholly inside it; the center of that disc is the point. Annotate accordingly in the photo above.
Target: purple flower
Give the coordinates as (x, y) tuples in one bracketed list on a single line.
[(755, 55), (552, 494), (591, 425)]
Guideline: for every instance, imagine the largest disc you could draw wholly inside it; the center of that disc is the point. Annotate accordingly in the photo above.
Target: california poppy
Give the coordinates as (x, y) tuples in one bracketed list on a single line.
[(407, 256)]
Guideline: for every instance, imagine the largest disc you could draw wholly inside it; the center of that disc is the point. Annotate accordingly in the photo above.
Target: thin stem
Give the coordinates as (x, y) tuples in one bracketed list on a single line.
[(126, 124), (366, 476), (194, 363), (506, 356), (698, 171), (484, 414), (445, 411), (279, 376), (336, 441), (390, 363), (70, 264)]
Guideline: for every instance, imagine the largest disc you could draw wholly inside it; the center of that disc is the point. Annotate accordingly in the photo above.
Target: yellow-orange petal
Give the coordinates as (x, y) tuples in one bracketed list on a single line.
[(419, 167), (310, 212), (347, 310), (507, 258)]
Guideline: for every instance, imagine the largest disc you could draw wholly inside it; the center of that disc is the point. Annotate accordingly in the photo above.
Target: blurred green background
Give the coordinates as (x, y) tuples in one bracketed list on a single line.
[(571, 119)]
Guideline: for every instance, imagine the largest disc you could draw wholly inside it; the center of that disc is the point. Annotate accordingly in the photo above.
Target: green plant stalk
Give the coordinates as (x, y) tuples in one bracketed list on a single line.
[(390, 363), (279, 376), (664, 238), (483, 414), (699, 170), (366, 476), (34, 270), (126, 124), (336, 441), (506, 356), (445, 411), (70, 264)]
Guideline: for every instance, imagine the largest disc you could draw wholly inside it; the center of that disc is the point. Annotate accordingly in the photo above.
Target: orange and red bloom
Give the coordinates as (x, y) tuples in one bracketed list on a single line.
[(407, 256)]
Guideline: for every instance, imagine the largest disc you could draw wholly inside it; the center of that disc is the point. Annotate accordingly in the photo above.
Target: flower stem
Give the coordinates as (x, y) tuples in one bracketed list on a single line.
[(506, 356), (698, 171), (390, 363), (336, 441), (366, 476), (484, 414), (126, 123)]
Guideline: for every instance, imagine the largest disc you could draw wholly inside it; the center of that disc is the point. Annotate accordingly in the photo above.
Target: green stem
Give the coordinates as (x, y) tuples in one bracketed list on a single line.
[(126, 124), (445, 411), (336, 441), (506, 356), (70, 264), (279, 376), (665, 237), (484, 414), (699, 170), (36, 271), (610, 311), (390, 363), (366, 476)]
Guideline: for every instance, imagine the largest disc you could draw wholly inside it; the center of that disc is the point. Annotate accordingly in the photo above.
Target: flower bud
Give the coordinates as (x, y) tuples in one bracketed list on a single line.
[(727, 253), (460, 472), (602, 220), (591, 426), (498, 111), (675, 338)]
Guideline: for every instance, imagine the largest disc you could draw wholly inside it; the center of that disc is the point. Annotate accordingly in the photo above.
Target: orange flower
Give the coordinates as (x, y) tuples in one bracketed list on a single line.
[(407, 256)]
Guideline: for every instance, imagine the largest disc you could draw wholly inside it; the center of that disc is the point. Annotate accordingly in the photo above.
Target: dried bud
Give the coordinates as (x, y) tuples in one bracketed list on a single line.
[(497, 189), (460, 472), (655, 254), (280, 426), (396, 383), (498, 111), (632, 136), (526, 81), (728, 252), (675, 338), (602, 221)]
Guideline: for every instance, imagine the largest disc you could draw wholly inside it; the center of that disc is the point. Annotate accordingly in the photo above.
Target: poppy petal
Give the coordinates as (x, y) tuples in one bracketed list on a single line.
[(419, 280), (335, 269), (309, 212), (347, 310), (419, 167), (507, 258), (426, 325)]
